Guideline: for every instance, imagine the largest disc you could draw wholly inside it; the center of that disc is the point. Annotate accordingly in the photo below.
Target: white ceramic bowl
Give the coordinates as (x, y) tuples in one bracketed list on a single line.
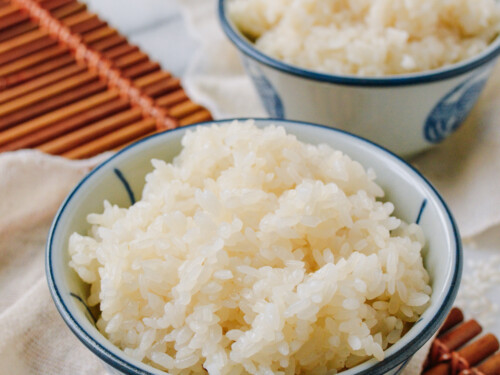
[(405, 113), (121, 178)]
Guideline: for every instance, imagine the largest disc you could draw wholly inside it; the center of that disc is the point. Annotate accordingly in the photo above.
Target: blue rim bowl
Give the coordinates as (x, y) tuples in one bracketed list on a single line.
[(71, 304), (247, 47)]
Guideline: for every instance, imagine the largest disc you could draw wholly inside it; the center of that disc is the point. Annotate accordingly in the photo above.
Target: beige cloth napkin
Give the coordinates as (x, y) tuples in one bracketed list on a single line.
[(34, 340)]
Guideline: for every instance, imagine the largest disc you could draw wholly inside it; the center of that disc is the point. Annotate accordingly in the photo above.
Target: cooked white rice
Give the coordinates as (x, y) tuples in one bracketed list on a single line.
[(368, 37), (253, 252)]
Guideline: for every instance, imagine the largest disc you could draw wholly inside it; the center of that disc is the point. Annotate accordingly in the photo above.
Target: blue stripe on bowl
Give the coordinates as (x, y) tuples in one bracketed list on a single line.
[(80, 299), (421, 211), (126, 185)]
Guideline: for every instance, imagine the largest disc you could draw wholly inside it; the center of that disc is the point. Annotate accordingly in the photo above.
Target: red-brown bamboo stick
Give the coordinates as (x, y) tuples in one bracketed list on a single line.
[(140, 70), (120, 50), (48, 119), (99, 34), (21, 28), (68, 125), (88, 26), (33, 59), (72, 7), (120, 147), (162, 87), (9, 10), (200, 116), (55, 4), (31, 37), (467, 357), (55, 103), (461, 335), (78, 18), (480, 349), (130, 60), (93, 131), (151, 78), (454, 317), (47, 92), (172, 98), (112, 140), (491, 366), (35, 71), (12, 19), (27, 49), (183, 109), (68, 10), (37, 83), (109, 42), (451, 340)]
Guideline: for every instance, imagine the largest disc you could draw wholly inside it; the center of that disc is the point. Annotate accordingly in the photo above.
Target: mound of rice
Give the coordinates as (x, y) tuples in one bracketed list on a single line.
[(368, 37), (253, 252)]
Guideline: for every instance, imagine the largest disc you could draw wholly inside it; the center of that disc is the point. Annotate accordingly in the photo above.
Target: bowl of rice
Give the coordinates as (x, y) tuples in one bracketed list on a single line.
[(404, 74), (254, 247)]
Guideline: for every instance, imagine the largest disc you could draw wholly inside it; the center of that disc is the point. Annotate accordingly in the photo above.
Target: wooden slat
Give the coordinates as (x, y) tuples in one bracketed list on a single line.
[(99, 34), (120, 50), (121, 147), (13, 19), (22, 40), (56, 102), (109, 42), (79, 18), (162, 87), (68, 125), (69, 10), (141, 69), (26, 49), (183, 109), (35, 71), (130, 60), (33, 59), (151, 78), (19, 29), (112, 140), (40, 82), (8, 10), (173, 98), (47, 92), (56, 4), (200, 116), (88, 26), (91, 132), (19, 131)]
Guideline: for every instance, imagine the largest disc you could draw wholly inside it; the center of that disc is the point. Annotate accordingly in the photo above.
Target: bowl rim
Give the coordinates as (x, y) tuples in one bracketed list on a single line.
[(124, 363), (449, 71)]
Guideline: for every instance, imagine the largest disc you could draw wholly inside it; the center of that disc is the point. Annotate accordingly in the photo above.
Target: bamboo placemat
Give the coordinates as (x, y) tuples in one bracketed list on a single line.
[(71, 85)]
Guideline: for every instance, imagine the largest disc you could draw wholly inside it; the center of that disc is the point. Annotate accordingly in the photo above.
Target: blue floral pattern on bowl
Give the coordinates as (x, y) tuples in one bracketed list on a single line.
[(453, 108), (268, 94)]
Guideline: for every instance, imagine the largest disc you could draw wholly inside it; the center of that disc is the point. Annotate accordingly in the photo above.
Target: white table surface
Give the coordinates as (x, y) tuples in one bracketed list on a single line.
[(159, 29), (156, 26)]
